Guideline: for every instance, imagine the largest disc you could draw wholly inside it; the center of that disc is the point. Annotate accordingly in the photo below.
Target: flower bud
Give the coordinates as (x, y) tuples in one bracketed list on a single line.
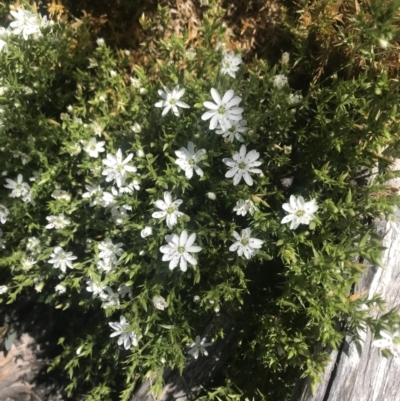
[(146, 232), (211, 195)]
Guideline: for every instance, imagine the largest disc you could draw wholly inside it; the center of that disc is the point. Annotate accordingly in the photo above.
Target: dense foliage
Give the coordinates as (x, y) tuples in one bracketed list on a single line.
[(88, 235)]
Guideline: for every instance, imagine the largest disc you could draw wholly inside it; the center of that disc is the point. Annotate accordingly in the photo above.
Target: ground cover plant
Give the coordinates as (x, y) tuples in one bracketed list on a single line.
[(139, 199)]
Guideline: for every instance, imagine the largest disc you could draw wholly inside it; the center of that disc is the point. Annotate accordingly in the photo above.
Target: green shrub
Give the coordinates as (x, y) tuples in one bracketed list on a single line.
[(88, 236)]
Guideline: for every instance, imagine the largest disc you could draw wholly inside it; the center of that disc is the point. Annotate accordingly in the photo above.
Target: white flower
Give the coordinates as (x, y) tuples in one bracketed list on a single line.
[(61, 259), (106, 265), (159, 302), (294, 99), (119, 214), (94, 193), (391, 341), (93, 148), (124, 290), (74, 149), (96, 128), (146, 232), (245, 245), (109, 298), (58, 222), (199, 347), (244, 206), (2, 240), (188, 159), (135, 82), (60, 288), (3, 214), (241, 165), (113, 74), (117, 168), (60, 194), (171, 100), (111, 251), (196, 299), (27, 263), (230, 64), (95, 287), (126, 337), (136, 128), (3, 289), (169, 209), (178, 248), (3, 46), (33, 245), (139, 153), (300, 212), (280, 81), (130, 188), (100, 41), (108, 198), (25, 23), (18, 188), (211, 195), (285, 58), (237, 129), (224, 111)]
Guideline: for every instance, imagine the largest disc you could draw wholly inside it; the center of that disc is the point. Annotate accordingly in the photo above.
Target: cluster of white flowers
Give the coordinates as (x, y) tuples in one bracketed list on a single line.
[(109, 254)]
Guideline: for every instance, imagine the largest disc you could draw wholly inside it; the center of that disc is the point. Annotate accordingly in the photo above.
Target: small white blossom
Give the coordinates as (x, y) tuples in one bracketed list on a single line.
[(3, 289), (3, 214), (95, 288), (100, 41), (196, 299), (224, 111), (60, 288), (139, 153), (119, 214), (111, 251), (211, 195), (235, 132), (146, 232), (171, 100), (74, 149), (25, 23), (178, 249), (188, 159), (294, 99), (126, 338), (244, 206), (241, 165), (61, 259), (300, 212), (199, 347), (285, 58), (109, 298), (96, 128), (33, 245), (280, 81), (159, 302), (169, 209), (130, 188), (136, 128), (27, 263), (230, 64), (113, 73), (19, 188), (108, 199), (245, 245), (60, 194), (135, 82), (391, 341), (124, 290), (93, 148), (58, 222), (94, 194), (117, 168)]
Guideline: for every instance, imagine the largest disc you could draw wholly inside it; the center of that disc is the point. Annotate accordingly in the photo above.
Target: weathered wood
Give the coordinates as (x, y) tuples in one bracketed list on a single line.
[(367, 376)]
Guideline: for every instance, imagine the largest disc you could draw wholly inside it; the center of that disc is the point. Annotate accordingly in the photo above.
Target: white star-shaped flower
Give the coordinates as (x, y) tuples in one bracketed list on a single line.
[(241, 165), (225, 111), (109, 250), (178, 249), (245, 245), (117, 168), (3, 214), (61, 259), (230, 64), (93, 148), (244, 206), (391, 341), (169, 209), (58, 222), (188, 159), (235, 132), (199, 347), (127, 338), (95, 288), (300, 212), (94, 194), (25, 23), (171, 100), (19, 188)]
